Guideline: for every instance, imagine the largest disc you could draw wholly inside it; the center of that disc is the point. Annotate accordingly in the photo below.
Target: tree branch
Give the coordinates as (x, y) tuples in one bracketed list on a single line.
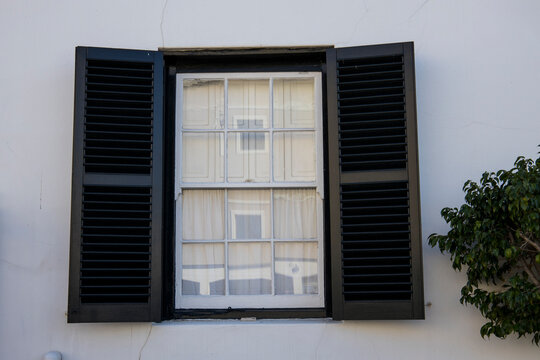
[(512, 239), (529, 272), (529, 241), (536, 266)]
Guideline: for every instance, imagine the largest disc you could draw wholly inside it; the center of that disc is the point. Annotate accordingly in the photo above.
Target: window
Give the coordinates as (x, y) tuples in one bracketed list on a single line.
[(249, 209), (278, 182)]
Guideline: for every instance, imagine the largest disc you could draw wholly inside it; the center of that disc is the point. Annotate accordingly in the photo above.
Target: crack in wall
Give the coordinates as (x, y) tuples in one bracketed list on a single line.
[(358, 22), (145, 341), (41, 192), (417, 10), (161, 23), (320, 341)]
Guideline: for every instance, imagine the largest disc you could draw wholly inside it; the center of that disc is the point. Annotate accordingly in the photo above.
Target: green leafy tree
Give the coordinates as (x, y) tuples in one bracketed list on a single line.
[(495, 238)]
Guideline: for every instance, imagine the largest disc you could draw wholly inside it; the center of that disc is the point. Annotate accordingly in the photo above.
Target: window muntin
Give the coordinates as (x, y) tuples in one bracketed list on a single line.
[(249, 184)]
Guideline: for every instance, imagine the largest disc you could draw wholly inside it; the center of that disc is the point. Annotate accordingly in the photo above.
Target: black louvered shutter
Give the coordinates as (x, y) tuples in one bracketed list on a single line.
[(115, 257), (376, 264)]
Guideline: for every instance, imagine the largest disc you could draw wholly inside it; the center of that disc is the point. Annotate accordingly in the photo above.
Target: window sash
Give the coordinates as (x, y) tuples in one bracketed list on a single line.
[(319, 151), (250, 301)]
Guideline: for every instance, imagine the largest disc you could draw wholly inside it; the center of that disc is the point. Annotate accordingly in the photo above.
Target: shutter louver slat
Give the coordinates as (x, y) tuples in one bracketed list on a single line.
[(375, 224), (357, 226), (102, 129), (373, 108), (115, 269)]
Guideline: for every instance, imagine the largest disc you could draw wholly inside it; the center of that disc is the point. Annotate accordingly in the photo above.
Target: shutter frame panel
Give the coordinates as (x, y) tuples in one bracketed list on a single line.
[(376, 252), (115, 252)]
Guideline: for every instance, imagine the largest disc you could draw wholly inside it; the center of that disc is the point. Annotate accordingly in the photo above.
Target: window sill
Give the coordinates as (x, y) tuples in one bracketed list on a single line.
[(303, 313)]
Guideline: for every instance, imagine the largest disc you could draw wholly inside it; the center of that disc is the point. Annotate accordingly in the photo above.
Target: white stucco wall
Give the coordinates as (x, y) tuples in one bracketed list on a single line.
[(478, 108)]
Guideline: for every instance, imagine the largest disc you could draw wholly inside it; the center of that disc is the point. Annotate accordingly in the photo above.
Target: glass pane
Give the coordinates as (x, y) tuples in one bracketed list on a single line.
[(295, 214), (203, 104), (249, 214), (296, 270), (250, 271), (202, 157), (248, 157), (294, 156), (294, 103), (203, 269), (249, 104), (203, 214)]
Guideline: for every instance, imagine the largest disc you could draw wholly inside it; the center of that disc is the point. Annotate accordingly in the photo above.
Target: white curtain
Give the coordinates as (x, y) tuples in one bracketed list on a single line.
[(295, 214), (203, 214), (250, 261)]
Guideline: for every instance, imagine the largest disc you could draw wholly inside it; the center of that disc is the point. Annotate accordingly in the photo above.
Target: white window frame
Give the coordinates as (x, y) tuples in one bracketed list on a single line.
[(250, 301)]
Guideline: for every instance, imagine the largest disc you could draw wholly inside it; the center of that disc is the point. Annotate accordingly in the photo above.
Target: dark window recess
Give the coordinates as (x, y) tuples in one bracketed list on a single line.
[(371, 110), (116, 244), (118, 117), (376, 245)]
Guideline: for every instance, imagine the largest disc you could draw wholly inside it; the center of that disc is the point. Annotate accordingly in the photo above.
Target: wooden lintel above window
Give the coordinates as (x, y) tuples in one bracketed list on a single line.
[(248, 50)]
